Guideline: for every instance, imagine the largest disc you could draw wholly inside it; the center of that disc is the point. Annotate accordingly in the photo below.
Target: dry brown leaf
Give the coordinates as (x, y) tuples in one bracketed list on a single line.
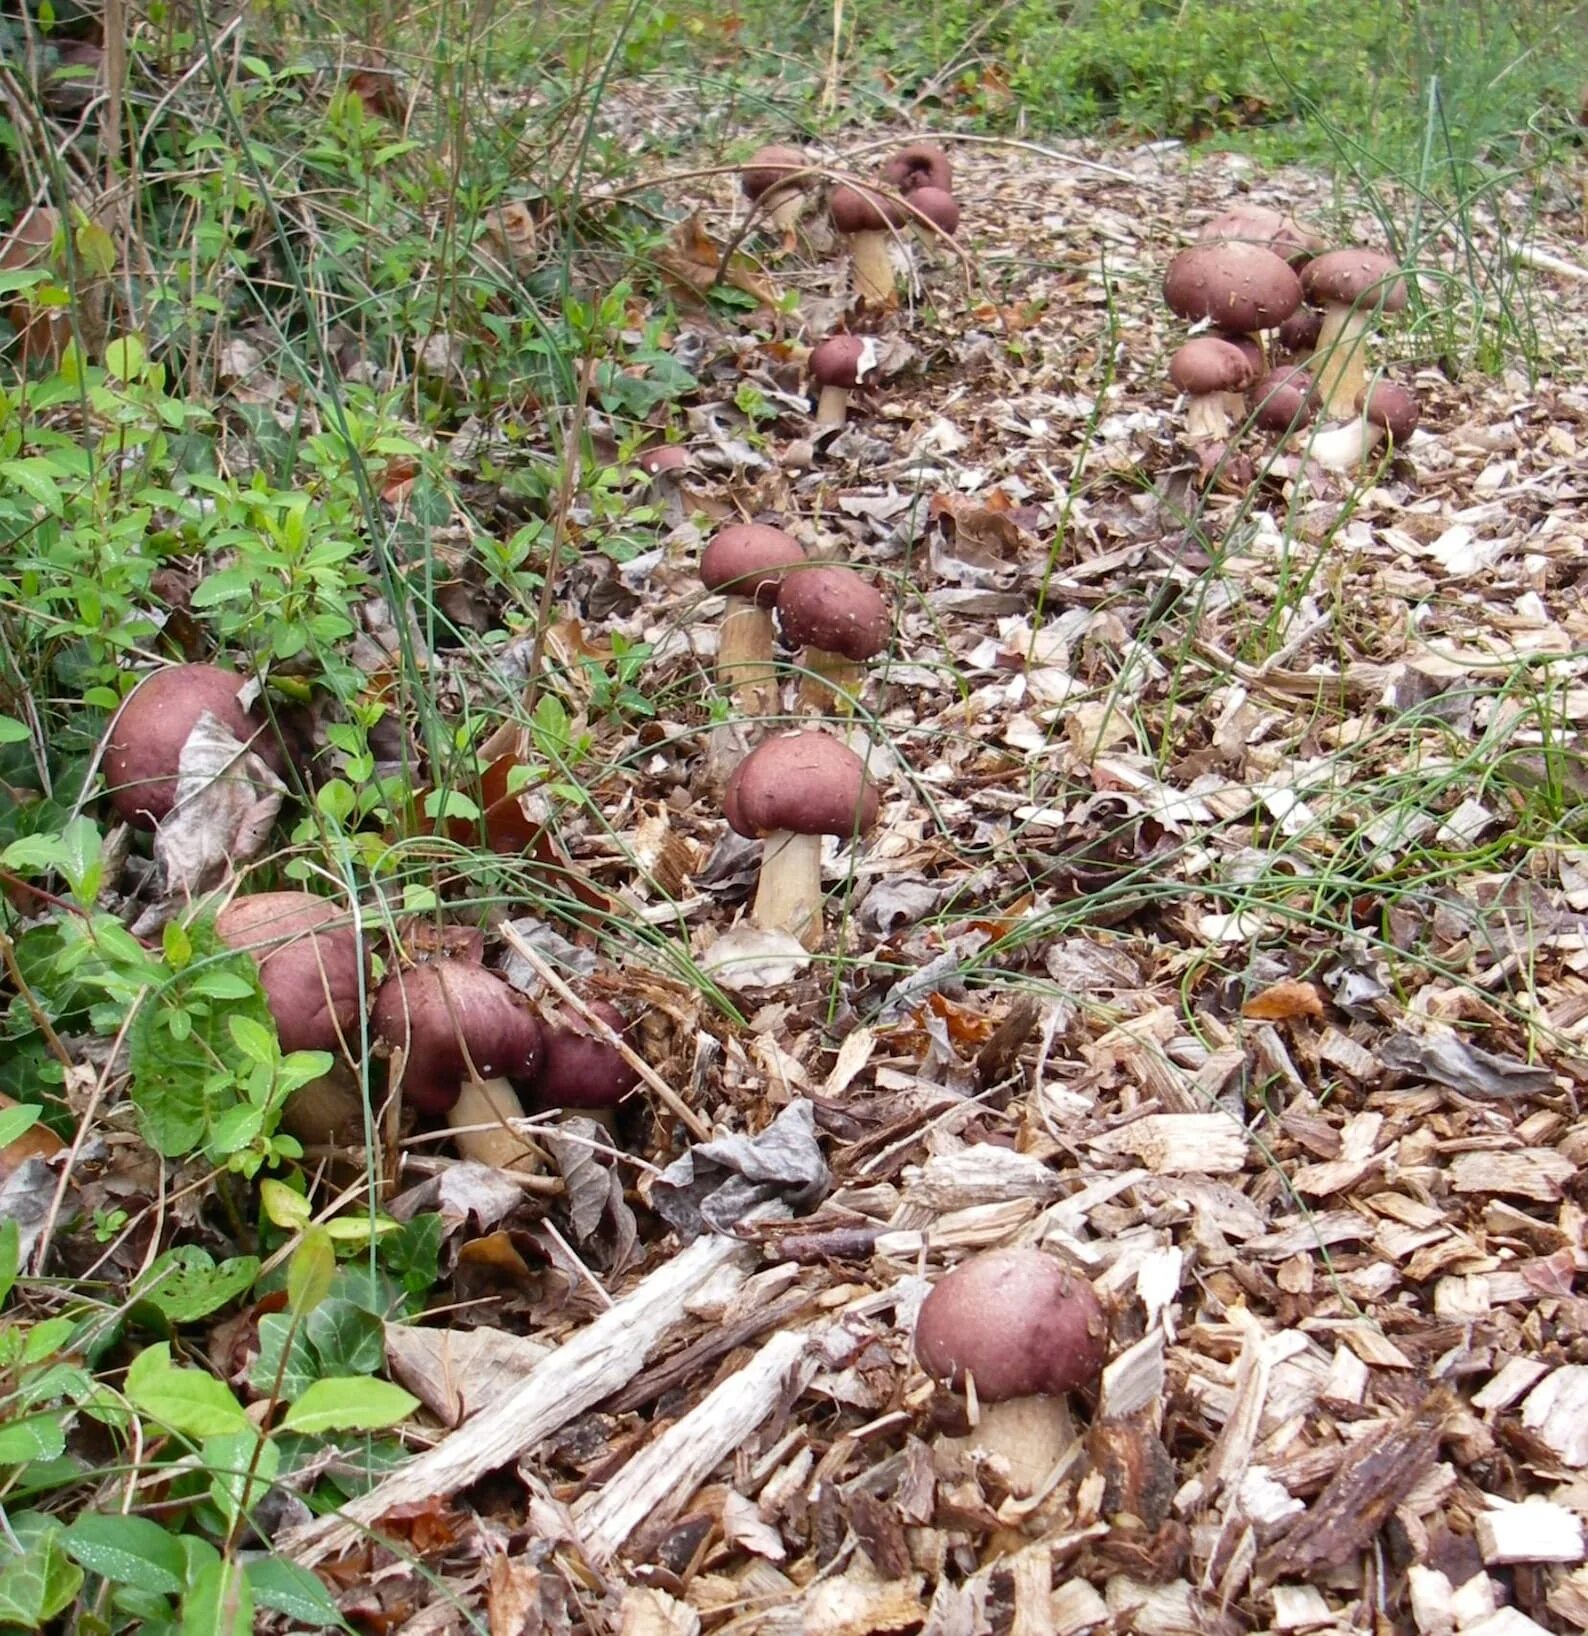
[(1283, 1002), (693, 262)]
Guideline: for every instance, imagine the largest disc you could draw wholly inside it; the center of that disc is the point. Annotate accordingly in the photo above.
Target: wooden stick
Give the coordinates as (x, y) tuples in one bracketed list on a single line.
[(671, 1468), (605, 1355)]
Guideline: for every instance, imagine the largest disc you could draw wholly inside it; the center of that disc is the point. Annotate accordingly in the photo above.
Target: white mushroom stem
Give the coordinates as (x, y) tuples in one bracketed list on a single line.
[(1341, 359), (785, 213), (1206, 416), (829, 679), (1026, 1436), (1344, 448), (873, 267), (479, 1120), (789, 896), (832, 407), (744, 657)]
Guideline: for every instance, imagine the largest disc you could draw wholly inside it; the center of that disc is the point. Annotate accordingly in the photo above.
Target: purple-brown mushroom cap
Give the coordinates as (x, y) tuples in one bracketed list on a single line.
[(1019, 1322), (939, 207), (749, 560), (665, 457), (143, 748), (841, 360), (921, 164), (1273, 229), (1354, 278), (310, 965), (1240, 287), (1207, 364), (1283, 399), (1301, 330), (448, 1014), (833, 609), (805, 782), (1392, 407), (577, 1069), (770, 167), (854, 210), (1248, 347)]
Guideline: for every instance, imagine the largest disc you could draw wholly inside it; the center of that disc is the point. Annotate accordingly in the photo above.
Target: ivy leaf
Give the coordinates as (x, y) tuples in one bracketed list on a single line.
[(128, 1551), (350, 1403), (276, 1335), (40, 1580), (346, 1339), (185, 1284)]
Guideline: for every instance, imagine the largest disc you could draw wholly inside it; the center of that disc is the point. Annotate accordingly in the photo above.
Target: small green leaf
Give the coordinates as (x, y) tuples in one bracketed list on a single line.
[(128, 1551), (350, 1403), (284, 1587), (255, 1041), (219, 1602), (283, 1351), (284, 1206), (241, 1469), (185, 1285), (10, 1256), (310, 1271), (15, 1122), (13, 731), (38, 1582), (39, 1437), (124, 357), (186, 1400), (347, 1339)]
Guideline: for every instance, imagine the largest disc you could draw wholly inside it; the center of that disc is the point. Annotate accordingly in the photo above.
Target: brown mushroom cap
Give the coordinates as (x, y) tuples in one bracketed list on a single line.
[(143, 749), (1354, 278), (1301, 330), (770, 166), (834, 609), (1273, 229), (1392, 407), (577, 1070), (1019, 1322), (806, 782), (27, 243), (1240, 287), (749, 560), (856, 211), (447, 1014), (1283, 399), (1209, 364), (665, 457), (309, 968), (921, 164), (841, 360), (939, 207), (1248, 346)]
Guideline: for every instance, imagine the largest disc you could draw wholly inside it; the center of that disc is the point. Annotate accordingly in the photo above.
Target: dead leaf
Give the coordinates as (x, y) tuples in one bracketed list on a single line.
[(1283, 1002)]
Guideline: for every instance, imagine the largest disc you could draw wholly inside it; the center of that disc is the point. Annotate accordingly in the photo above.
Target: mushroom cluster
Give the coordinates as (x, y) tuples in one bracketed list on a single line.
[(1261, 281), (915, 189)]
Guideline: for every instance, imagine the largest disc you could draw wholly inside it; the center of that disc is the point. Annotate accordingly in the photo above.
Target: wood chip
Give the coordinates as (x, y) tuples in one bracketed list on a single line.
[(1535, 1530), (1170, 1144), (1533, 1173)]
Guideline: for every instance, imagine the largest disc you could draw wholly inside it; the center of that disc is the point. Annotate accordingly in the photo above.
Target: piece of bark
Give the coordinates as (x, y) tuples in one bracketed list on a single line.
[(1374, 1476), (583, 1370)]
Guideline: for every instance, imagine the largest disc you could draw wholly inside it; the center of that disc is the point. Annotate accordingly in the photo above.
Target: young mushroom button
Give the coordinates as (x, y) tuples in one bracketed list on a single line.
[(921, 164), (143, 749), (1210, 371), (746, 562), (1021, 1330), (579, 1069), (466, 1034), (1283, 400), (939, 208), (313, 970), (1352, 287), (789, 792), (868, 220), (841, 621), (838, 365)]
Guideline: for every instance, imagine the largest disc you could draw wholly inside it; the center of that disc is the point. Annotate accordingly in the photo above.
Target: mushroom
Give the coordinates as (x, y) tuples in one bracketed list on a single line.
[(747, 561), (1250, 348), (143, 749), (921, 164), (938, 207), (1236, 287), (665, 466), (1387, 410), (1283, 400), (838, 365), (313, 971), (841, 621), (43, 331), (467, 1035), (1210, 371), (1351, 286), (1299, 333), (771, 177), (1017, 1330), (789, 792), (579, 1069), (867, 220), (1288, 238)]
